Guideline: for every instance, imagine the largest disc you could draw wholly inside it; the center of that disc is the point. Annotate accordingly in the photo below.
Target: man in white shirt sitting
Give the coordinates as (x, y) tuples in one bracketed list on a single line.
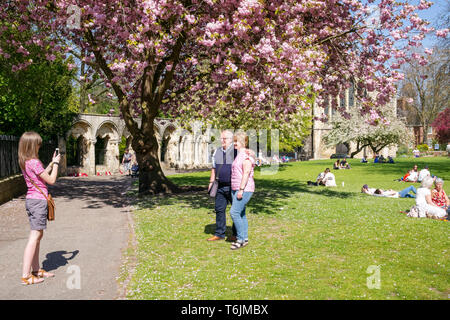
[(329, 180), (423, 173), (325, 178)]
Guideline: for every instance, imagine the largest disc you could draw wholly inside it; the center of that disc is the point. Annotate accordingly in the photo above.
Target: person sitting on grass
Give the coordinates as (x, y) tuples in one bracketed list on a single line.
[(325, 178), (390, 160), (376, 159), (439, 197), (381, 159), (364, 159), (344, 164), (424, 201), (423, 173), (337, 165), (411, 176), (329, 180), (405, 193)]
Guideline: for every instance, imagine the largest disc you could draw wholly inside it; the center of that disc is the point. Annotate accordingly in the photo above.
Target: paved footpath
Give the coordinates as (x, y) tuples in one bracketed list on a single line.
[(87, 238)]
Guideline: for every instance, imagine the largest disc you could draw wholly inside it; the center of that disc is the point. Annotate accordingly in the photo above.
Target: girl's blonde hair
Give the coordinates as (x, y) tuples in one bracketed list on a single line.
[(242, 137), (29, 145)]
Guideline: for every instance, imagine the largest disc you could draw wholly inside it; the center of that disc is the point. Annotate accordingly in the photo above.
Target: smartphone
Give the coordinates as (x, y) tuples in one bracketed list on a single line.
[(56, 151)]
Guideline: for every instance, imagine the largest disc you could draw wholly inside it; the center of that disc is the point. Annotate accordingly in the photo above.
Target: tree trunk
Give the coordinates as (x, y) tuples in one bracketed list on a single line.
[(425, 133), (151, 176), (154, 85), (359, 148), (377, 149)]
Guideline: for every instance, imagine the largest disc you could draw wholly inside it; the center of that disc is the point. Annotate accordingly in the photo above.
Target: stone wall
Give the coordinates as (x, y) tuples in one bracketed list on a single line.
[(12, 187)]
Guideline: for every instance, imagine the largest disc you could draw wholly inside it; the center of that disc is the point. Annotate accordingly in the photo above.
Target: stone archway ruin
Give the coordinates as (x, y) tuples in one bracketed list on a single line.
[(179, 149)]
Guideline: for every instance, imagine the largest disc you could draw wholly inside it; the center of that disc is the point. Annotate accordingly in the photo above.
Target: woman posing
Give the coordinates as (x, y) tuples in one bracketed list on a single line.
[(242, 188), (36, 178)]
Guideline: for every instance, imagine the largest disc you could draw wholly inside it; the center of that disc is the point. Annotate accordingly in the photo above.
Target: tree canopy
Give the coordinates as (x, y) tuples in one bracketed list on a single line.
[(39, 97), (259, 56)]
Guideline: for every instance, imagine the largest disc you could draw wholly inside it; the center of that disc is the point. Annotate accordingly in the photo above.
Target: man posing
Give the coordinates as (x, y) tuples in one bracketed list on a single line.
[(222, 160)]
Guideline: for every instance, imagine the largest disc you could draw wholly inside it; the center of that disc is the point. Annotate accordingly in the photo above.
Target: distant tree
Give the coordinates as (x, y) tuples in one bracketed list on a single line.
[(356, 128), (427, 87), (292, 128)]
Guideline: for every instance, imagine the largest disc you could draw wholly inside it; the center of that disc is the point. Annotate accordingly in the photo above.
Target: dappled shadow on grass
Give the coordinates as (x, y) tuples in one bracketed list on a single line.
[(270, 194), (211, 230)]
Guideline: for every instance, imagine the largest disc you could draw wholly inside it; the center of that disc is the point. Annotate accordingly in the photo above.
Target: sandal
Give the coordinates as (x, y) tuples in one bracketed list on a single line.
[(42, 274), (32, 279), (238, 244)]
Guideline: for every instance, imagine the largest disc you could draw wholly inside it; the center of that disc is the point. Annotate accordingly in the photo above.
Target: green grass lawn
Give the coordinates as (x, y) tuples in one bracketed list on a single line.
[(305, 242)]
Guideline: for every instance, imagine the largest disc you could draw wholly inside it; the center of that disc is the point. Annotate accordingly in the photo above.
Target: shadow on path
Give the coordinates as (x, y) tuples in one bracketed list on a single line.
[(57, 259), (96, 192)]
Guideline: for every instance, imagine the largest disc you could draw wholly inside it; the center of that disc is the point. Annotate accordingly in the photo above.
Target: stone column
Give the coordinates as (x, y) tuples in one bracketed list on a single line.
[(89, 157), (112, 156)]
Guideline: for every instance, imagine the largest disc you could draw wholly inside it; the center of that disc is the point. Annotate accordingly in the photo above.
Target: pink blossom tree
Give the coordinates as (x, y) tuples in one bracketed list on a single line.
[(157, 55)]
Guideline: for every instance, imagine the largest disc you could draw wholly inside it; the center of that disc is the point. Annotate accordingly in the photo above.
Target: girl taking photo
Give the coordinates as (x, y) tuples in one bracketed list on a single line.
[(36, 178)]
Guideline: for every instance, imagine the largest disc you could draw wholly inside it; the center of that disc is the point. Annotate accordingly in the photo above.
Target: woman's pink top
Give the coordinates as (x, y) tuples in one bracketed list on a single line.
[(33, 169), (237, 171)]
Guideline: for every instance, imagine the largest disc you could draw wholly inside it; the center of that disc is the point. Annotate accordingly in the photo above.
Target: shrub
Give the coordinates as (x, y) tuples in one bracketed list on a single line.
[(442, 146), (423, 147), (402, 150)]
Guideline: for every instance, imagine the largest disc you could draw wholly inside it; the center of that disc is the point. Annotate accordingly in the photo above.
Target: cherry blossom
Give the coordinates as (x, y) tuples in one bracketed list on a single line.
[(262, 56)]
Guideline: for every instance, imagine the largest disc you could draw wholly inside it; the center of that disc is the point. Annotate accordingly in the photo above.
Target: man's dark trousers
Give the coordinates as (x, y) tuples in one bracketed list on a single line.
[(223, 197)]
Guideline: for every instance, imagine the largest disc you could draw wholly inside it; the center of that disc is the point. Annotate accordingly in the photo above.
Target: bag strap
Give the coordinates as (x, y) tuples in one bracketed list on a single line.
[(32, 182)]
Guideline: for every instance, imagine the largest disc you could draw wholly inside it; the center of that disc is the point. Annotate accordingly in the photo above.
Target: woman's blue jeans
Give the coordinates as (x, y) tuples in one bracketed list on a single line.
[(237, 213)]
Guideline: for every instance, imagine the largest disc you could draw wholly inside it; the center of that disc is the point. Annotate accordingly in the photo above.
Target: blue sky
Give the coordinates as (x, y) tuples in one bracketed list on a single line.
[(432, 14)]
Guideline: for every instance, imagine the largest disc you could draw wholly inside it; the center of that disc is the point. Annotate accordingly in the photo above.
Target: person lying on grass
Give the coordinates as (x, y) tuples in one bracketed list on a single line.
[(405, 193)]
